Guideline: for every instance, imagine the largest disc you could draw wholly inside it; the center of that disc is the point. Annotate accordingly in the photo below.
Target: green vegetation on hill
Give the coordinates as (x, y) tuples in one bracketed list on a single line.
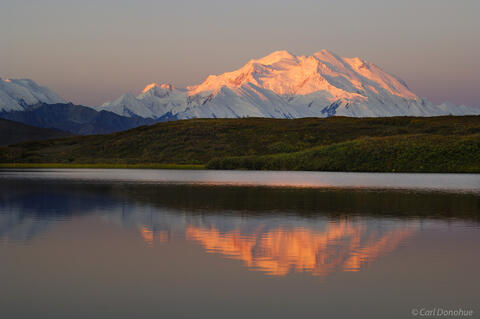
[(14, 132), (409, 153), (401, 144)]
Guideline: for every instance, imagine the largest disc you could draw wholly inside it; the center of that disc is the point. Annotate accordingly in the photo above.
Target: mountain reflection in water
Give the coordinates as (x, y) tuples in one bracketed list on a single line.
[(76, 247), (341, 246), (273, 231)]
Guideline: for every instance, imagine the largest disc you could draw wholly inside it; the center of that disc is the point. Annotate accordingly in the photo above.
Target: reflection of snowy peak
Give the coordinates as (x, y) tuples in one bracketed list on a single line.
[(16, 95), (270, 243), (283, 85)]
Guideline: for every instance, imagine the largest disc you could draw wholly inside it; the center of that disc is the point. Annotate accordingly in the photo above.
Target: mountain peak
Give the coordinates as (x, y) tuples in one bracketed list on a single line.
[(328, 56), (276, 56), (18, 94), (166, 86)]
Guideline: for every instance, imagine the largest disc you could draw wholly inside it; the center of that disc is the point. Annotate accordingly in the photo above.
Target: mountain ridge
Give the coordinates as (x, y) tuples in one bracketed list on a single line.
[(19, 94), (76, 119), (278, 85), (283, 85), (24, 101), (12, 132)]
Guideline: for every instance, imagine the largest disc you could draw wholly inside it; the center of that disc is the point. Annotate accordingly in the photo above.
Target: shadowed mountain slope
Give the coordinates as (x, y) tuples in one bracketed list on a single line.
[(13, 132)]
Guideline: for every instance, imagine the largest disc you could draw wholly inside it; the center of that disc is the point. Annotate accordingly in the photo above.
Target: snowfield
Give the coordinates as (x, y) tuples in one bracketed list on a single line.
[(282, 85), (16, 95)]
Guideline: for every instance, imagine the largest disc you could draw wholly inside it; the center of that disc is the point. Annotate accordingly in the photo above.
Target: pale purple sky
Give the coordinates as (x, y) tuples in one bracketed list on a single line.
[(92, 51)]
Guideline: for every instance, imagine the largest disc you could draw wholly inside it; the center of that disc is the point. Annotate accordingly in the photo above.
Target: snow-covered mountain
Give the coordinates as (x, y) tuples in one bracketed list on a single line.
[(26, 102), (18, 94), (282, 85)]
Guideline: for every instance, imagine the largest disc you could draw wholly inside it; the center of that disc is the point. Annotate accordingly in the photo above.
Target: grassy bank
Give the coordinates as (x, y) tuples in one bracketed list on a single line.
[(439, 144), (417, 153)]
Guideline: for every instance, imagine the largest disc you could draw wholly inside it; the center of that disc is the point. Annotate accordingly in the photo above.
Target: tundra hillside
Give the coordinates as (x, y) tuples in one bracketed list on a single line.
[(400, 144)]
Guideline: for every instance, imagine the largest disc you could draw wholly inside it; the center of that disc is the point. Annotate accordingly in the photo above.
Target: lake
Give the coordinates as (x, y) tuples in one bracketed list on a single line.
[(108, 243)]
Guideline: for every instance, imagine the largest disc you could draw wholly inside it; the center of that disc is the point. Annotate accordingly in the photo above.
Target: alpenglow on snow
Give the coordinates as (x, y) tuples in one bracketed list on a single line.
[(282, 85)]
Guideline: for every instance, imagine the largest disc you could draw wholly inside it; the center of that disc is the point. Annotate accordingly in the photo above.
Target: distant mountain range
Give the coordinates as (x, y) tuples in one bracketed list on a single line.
[(77, 119), (280, 85), (26, 102)]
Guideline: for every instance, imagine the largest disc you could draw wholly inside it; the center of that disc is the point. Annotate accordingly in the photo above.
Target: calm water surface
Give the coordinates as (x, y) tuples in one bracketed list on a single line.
[(446, 182), (218, 244)]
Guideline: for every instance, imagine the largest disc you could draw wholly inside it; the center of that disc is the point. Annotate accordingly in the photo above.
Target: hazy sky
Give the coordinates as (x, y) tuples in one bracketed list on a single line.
[(92, 51)]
